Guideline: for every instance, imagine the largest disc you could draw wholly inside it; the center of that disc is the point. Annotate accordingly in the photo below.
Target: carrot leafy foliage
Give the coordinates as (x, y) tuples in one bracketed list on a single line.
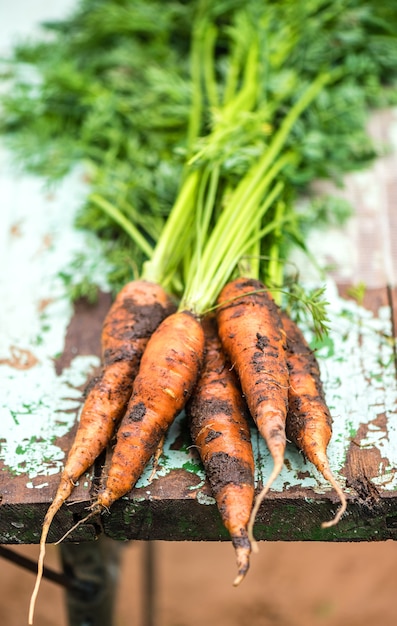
[(148, 95)]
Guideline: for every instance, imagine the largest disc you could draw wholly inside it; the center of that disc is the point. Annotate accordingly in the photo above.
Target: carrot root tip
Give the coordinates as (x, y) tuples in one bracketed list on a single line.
[(242, 557), (76, 525), (278, 464), (238, 580), (342, 497), (337, 518), (255, 546)]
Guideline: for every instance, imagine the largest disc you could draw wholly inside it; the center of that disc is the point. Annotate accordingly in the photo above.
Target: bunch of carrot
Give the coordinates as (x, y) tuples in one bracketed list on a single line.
[(247, 358), (199, 331)]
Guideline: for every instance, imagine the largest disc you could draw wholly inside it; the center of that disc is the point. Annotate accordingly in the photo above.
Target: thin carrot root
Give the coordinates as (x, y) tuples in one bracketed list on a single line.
[(52, 511), (342, 496), (258, 501), (40, 568), (76, 525), (156, 459)]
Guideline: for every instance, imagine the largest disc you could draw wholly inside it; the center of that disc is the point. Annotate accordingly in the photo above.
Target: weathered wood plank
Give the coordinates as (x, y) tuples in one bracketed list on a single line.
[(23, 501), (178, 504), (22, 511)]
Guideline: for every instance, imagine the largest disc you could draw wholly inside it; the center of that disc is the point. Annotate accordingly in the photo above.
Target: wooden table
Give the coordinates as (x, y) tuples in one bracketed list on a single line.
[(49, 349)]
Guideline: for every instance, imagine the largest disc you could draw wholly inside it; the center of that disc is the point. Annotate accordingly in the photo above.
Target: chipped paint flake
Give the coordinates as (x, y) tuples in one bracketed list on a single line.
[(30, 485), (173, 459), (203, 498)]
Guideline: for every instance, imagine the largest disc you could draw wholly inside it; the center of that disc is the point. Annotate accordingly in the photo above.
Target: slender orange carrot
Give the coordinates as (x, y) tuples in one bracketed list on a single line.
[(251, 332), (309, 422), (137, 311), (135, 314), (168, 372), (219, 428)]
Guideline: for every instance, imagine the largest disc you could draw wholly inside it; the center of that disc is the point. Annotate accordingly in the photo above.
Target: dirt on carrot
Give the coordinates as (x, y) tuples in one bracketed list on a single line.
[(309, 422), (251, 332), (168, 372), (219, 427)]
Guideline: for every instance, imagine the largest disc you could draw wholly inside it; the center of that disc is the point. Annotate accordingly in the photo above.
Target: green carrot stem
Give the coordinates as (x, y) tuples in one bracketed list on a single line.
[(231, 260), (209, 69), (234, 226), (203, 283), (275, 267), (237, 217), (205, 209), (252, 178), (246, 98), (250, 263), (197, 100), (128, 226), (236, 59), (167, 252)]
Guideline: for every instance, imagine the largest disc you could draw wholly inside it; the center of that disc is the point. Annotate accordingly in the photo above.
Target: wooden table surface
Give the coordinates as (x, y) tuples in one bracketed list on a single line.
[(49, 349)]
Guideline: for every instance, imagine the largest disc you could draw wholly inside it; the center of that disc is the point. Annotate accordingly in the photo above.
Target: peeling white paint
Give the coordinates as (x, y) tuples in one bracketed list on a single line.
[(35, 411), (30, 485), (203, 498), (171, 459), (37, 406)]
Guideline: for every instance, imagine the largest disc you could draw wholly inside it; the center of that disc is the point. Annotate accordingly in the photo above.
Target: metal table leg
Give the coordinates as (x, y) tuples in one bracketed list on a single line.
[(96, 564)]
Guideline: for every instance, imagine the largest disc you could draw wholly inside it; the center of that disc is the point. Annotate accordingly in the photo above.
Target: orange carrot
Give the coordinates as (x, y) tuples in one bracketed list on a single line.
[(251, 332), (135, 314), (309, 422), (137, 311), (168, 372), (219, 428)]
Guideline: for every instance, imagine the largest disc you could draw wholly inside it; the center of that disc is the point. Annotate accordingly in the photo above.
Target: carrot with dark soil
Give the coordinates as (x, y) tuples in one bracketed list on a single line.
[(168, 372), (309, 422), (218, 418), (136, 312), (251, 332)]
